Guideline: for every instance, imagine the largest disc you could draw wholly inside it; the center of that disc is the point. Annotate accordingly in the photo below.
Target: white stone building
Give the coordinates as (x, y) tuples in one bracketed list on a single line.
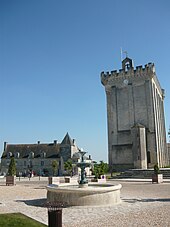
[(37, 158)]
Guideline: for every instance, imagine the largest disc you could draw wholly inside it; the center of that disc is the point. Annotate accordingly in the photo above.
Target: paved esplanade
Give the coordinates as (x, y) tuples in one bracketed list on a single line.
[(143, 204)]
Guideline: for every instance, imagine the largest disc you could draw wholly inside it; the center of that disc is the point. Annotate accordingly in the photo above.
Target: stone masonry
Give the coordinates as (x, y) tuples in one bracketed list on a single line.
[(135, 115)]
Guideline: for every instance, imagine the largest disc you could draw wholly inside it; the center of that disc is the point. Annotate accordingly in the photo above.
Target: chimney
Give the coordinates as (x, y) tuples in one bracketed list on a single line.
[(55, 142), (38, 142), (89, 157), (73, 141), (5, 145)]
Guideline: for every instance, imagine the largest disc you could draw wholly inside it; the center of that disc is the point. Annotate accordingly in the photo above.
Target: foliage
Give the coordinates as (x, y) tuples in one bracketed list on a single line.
[(12, 167), (18, 220), (100, 169), (54, 166), (156, 169), (167, 166), (68, 166)]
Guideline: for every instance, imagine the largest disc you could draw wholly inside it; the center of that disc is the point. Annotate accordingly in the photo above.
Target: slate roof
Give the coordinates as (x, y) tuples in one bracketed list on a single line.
[(51, 150), (67, 140)]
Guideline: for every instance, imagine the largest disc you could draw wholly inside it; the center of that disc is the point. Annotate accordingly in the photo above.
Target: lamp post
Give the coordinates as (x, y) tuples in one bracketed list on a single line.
[(40, 165)]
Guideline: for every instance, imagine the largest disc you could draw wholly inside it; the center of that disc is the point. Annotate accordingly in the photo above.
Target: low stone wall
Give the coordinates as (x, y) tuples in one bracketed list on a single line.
[(98, 180), (144, 173), (61, 180)]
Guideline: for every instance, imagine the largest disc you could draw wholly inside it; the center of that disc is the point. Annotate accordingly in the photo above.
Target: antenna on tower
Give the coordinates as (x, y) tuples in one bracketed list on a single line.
[(121, 53), (125, 52)]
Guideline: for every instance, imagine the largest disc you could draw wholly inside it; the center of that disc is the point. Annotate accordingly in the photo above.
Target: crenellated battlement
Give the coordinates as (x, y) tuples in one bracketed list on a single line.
[(147, 70)]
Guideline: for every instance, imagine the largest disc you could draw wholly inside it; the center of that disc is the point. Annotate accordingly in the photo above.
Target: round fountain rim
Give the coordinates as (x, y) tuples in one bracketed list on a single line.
[(103, 194), (92, 187)]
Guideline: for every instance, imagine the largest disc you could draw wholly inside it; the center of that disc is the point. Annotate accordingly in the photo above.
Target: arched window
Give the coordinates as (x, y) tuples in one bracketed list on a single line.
[(127, 66), (127, 63)]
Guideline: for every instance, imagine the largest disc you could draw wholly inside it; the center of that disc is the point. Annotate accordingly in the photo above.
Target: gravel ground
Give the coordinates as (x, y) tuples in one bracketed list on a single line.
[(143, 204)]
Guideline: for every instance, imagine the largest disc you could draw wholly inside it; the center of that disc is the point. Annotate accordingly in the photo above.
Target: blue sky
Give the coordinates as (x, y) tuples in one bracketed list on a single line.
[(51, 56)]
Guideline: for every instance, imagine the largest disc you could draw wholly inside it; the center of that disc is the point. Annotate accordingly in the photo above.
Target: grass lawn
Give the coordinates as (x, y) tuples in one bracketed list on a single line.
[(18, 220)]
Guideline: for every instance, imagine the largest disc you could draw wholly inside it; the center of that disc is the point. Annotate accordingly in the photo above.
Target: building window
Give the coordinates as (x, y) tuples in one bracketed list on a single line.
[(9, 155), (43, 155), (16, 155), (31, 155), (42, 163), (30, 164), (25, 163), (148, 157)]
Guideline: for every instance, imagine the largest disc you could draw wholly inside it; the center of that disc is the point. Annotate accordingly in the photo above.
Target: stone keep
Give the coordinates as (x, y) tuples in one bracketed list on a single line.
[(135, 115)]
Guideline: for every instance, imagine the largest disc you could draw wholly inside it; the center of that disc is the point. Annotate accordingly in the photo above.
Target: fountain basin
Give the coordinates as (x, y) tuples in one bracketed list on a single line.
[(93, 195)]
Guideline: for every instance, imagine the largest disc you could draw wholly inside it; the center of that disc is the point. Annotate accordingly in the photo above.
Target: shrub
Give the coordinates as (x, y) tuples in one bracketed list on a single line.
[(156, 169), (68, 167), (12, 167), (100, 169), (54, 166)]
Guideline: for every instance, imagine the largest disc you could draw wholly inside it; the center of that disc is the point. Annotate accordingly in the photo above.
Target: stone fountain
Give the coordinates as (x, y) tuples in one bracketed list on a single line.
[(84, 193)]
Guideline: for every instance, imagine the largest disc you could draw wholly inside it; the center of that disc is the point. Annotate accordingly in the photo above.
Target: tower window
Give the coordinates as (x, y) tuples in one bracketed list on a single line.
[(148, 157)]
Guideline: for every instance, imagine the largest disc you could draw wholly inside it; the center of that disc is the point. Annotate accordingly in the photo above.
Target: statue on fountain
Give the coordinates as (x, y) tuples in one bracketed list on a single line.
[(82, 165)]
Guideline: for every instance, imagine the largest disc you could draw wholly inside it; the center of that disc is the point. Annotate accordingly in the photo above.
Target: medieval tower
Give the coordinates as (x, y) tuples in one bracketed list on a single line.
[(135, 116)]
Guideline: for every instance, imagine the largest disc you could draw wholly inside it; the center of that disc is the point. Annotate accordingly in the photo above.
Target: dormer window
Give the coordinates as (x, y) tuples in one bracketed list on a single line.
[(17, 155), (31, 155), (9, 155), (43, 155)]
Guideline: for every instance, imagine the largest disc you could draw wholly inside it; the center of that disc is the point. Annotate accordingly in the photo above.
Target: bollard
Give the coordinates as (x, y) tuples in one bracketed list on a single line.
[(55, 213), (55, 217)]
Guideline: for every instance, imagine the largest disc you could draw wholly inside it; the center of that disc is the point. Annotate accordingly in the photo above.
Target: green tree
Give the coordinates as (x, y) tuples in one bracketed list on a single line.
[(100, 169), (54, 166), (68, 167), (12, 167)]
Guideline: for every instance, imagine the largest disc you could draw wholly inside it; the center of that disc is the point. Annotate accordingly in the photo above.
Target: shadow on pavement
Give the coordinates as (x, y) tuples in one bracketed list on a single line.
[(146, 200), (34, 202)]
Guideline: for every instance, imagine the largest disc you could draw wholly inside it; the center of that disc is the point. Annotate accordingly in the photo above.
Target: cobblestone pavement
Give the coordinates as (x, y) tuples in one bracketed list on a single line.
[(143, 204)]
